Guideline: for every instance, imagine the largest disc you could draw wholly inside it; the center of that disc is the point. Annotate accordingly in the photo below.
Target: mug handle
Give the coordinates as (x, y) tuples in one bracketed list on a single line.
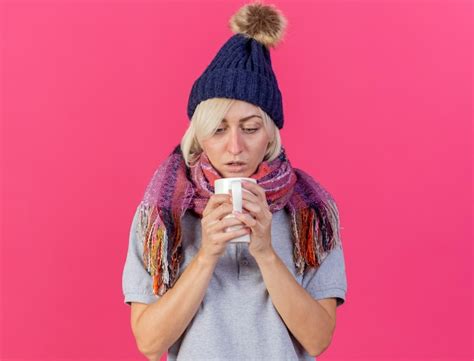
[(237, 196)]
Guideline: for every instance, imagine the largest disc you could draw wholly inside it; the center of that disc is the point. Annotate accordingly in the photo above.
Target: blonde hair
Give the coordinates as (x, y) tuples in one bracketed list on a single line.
[(206, 119)]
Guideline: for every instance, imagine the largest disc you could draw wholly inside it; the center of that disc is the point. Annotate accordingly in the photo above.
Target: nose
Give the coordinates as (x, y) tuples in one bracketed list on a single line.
[(235, 143)]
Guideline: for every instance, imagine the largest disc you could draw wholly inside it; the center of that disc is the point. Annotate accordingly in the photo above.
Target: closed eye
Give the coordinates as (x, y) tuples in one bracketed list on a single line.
[(251, 130), (247, 130)]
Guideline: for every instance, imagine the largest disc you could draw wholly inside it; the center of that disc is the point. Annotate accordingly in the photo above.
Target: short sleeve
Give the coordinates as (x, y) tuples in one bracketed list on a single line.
[(329, 279), (137, 283)]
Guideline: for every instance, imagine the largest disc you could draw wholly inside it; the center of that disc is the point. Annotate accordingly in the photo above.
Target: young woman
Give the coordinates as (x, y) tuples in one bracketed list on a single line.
[(194, 294)]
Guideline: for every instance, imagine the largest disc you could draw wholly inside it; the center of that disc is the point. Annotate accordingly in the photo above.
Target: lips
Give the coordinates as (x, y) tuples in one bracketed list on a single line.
[(235, 167)]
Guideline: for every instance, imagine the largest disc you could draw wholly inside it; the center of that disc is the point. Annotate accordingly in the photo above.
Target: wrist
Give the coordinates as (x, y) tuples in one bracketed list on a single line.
[(265, 256), (205, 260)]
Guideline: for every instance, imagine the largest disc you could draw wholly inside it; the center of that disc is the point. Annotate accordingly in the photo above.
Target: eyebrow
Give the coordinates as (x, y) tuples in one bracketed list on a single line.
[(244, 119)]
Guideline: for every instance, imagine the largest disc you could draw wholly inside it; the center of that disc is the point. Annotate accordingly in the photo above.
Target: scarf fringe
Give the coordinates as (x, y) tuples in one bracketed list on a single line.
[(152, 232), (315, 236)]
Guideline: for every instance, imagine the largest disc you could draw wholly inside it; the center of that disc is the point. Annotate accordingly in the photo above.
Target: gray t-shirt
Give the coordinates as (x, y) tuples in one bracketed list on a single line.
[(236, 319)]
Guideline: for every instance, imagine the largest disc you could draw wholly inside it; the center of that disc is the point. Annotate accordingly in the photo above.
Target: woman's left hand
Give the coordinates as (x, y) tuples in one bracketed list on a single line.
[(259, 219)]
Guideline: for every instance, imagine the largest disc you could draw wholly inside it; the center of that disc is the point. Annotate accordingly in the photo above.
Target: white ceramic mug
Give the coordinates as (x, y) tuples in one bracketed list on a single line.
[(222, 186)]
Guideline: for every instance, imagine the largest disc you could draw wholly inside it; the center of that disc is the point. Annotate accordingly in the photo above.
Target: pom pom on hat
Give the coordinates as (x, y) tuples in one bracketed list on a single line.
[(262, 22)]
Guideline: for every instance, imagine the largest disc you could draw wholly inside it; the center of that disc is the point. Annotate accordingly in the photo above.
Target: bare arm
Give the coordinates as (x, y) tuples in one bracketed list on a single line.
[(312, 322), (162, 322)]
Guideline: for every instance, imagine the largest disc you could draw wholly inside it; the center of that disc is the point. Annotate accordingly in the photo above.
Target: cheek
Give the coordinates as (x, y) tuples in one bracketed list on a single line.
[(260, 143), (211, 147), (214, 151)]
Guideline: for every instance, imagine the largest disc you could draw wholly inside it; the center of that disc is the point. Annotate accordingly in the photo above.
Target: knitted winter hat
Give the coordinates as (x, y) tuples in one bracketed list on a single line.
[(242, 68)]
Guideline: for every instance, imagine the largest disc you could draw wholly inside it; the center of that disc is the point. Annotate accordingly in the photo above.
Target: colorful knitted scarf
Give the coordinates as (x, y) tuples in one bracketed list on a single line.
[(176, 188)]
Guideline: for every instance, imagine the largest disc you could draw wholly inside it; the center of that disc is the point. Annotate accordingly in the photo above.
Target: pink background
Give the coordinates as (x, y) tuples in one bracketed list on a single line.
[(378, 106)]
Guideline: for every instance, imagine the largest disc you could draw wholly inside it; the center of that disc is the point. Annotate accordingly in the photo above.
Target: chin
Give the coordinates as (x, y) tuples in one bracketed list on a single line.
[(235, 175)]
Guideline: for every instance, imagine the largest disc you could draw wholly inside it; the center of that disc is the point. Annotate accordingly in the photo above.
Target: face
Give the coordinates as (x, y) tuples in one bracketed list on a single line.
[(242, 138)]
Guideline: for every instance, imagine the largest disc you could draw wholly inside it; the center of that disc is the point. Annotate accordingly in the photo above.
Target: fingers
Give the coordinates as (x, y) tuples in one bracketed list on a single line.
[(219, 212), (218, 226), (214, 202), (214, 225), (222, 237), (215, 235)]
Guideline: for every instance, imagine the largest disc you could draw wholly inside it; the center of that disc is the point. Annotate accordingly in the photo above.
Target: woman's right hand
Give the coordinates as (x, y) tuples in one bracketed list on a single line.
[(213, 224)]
